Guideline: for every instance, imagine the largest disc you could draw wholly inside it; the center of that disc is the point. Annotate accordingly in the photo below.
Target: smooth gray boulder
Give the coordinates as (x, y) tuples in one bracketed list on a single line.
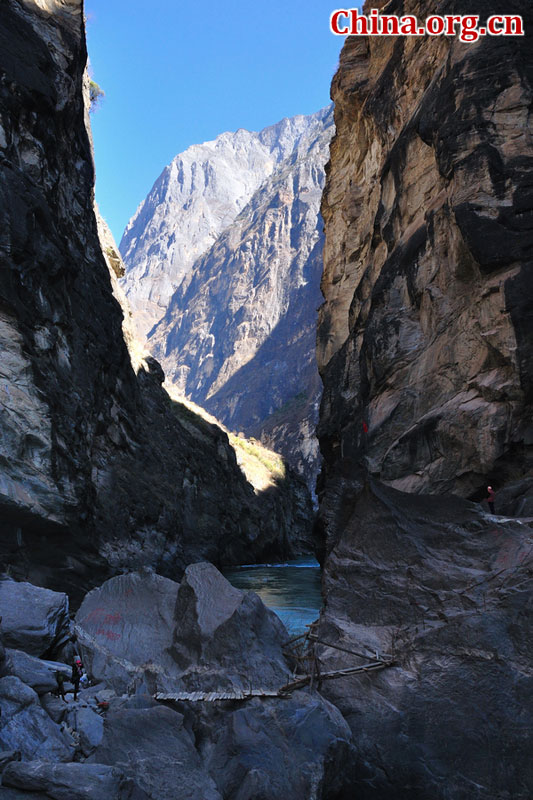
[(33, 619), (26, 726), (125, 625), (157, 752), (88, 724), (225, 637), (142, 632), (71, 781), (40, 675)]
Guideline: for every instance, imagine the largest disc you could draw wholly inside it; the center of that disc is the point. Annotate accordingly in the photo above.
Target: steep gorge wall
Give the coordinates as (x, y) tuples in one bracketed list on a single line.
[(425, 334), (424, 346), (99, 469)]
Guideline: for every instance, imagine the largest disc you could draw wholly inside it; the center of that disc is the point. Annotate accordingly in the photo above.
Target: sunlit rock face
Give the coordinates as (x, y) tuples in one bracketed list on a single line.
[(425, 334), (227, 250), (196, 197), (99, 469)]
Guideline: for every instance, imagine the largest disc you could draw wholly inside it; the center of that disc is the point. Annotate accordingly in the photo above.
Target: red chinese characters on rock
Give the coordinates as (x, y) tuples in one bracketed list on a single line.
[(102, 618)]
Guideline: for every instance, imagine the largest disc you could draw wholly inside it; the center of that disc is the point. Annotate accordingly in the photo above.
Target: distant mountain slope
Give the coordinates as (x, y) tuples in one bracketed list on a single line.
[(196, 197), (238, 335)]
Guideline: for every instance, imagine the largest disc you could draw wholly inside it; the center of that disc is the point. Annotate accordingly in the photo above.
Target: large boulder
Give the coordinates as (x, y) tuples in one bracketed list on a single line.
[(126, 624), (144, 632), (25, 726), (34, 672), (33, 619), (445, 590), (7, 756), (71, 781), (225, 637), (297, 747), (152, 746)]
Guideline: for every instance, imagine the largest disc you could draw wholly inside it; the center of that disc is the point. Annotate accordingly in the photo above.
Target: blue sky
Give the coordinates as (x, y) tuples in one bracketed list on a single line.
[(173, 77)]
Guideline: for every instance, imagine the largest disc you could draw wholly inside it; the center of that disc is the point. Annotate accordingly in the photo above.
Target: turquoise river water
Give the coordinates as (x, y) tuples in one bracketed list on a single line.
[(291, 589)]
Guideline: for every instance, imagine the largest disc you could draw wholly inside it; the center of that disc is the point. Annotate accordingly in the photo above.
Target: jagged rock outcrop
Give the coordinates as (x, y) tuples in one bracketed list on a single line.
[(143, 629), (427, 276), (223, 636), (99, 469), (26, 727), (153, 747), (244, 257), (424, 347)]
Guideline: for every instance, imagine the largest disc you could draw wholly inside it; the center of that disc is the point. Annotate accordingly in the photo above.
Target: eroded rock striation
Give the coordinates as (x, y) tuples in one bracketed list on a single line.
[(99, 469), (197, 196), (225, 255)]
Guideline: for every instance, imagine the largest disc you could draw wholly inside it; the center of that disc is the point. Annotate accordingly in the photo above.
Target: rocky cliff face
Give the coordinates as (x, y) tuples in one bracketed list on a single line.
[(99, 469), (424, 347), (426, 279), (193, 201), (233, 226)]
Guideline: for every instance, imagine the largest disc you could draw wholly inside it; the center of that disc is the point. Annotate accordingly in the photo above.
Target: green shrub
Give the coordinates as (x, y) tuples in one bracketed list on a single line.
[(95, 94)]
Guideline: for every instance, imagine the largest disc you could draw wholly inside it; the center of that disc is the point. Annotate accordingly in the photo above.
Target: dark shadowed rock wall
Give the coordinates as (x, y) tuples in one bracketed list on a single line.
[(445, 592), (99, 469)]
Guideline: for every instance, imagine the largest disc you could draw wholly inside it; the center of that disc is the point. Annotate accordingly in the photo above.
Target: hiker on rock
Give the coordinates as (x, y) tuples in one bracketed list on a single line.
[(77, 672), (491, 498)]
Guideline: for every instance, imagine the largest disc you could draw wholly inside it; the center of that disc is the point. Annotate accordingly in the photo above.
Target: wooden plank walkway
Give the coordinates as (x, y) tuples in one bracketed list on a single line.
[(283, 691), (378, 662), (209, 697)]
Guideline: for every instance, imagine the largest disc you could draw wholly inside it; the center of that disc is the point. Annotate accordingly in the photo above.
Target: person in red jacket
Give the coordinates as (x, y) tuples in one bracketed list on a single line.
[(491, 498), (77, 672)]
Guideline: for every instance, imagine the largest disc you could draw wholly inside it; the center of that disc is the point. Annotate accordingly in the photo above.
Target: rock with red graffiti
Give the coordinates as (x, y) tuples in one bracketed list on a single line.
[(126, 625)]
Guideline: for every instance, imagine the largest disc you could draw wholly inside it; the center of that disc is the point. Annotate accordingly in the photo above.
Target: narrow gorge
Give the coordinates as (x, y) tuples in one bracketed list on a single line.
[(223, 265), (130, 667)]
